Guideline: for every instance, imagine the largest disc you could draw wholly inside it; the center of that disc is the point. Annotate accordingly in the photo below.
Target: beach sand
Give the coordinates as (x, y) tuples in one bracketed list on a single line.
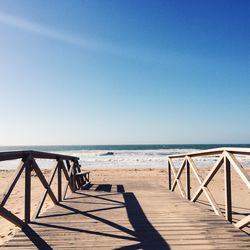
[(240, 193)]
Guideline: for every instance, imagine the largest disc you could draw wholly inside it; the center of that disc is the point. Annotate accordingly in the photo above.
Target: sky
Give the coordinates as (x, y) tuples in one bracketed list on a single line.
[(124, 72)]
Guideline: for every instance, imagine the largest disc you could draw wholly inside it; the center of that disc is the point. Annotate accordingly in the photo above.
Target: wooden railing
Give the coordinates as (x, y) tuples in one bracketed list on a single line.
[(224, 157), (68, 165)]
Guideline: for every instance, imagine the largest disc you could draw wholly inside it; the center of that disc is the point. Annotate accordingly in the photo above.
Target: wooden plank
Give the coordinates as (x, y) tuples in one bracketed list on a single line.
[(144, 220), (45, 155), (74, 184), (82, 173), (169, 176), (59, 181), (139, 218), (214, 152), (228, 192), (27, 196), (243, 223), (4, 156), (188, 187)]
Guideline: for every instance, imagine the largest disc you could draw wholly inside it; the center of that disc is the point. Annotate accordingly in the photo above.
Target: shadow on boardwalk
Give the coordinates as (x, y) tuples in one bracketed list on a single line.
[(138, 220), (35, 238), (144, 235), (238, 213)]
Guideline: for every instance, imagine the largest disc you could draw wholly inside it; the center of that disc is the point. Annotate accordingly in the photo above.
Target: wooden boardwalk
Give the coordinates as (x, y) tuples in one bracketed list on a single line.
[(128, 215)]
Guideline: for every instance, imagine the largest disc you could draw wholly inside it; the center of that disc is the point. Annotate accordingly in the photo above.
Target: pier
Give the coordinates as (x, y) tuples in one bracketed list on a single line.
[(128, 213)]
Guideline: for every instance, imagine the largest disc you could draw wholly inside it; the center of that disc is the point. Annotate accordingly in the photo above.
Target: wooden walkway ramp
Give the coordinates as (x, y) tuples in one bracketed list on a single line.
[(128, 215)]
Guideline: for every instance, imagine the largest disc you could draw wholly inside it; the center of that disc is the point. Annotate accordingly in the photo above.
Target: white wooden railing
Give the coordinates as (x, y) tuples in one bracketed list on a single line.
[(225, 157)]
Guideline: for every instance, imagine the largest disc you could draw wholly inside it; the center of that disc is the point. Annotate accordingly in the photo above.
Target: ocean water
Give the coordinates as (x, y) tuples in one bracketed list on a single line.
[(123, 156)]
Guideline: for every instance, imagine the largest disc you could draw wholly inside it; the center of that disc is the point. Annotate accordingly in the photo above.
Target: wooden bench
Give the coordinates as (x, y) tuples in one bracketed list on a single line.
[(83, 177)]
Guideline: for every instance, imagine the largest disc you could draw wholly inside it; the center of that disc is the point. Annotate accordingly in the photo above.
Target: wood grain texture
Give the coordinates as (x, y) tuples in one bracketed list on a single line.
[(128, 214)]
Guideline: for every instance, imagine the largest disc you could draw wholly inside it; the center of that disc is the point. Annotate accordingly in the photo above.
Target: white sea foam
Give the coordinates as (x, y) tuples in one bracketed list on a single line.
[(11, 165), (126, 159), (138, 158)]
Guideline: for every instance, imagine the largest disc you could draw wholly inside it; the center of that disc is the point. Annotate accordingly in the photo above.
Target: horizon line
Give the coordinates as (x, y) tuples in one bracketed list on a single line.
[(132, 144)]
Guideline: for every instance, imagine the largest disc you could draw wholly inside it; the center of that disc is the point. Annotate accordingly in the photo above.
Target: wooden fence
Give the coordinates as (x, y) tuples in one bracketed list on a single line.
[(67, 165), (226, 157)]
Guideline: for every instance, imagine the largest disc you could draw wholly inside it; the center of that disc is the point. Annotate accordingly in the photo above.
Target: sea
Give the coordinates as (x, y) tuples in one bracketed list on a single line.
[(122, 156)]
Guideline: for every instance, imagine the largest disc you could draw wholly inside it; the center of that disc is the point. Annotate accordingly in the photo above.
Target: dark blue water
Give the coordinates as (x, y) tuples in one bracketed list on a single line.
[(60, 148)]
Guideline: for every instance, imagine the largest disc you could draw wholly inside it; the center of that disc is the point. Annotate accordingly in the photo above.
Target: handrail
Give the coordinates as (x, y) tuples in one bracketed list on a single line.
[(65, 164), (214, 152), (13, 155), (225, 157)]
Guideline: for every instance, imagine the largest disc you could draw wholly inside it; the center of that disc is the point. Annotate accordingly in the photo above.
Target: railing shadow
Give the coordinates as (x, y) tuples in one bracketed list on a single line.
[(147, 235), (223, 210), (143, 234), (35, 238)]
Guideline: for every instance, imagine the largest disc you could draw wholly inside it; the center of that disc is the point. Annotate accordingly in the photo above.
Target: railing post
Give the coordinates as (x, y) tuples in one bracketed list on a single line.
[(59, 181), (28, 169), (169, 176), (188, 180), (228, 193), (74, 177), (68, 167)]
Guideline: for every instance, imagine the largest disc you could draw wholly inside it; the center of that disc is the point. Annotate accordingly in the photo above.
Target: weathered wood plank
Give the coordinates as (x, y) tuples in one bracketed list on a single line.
[(214, 152), (4, 156), (169, 176), (228, 191), (244, 222), (138, 219), (188, 187), (27, 196), (59, 181)]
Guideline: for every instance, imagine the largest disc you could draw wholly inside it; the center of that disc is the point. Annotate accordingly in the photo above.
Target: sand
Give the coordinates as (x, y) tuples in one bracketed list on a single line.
[(16, 201), (241, 195)]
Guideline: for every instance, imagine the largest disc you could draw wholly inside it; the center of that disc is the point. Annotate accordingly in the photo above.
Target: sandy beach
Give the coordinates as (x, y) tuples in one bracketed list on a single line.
[(241, 196)]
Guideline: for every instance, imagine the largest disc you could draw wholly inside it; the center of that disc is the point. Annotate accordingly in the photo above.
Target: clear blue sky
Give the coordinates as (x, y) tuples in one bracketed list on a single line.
[(121, 72)]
